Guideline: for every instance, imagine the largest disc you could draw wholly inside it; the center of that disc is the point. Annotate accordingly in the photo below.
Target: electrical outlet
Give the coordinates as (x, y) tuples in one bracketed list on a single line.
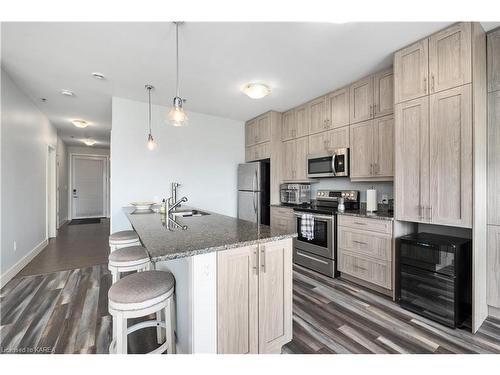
[(15, 245), (385, 199)]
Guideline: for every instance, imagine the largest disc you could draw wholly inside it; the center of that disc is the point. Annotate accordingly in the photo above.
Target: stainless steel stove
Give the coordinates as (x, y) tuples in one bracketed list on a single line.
[(320, 252)]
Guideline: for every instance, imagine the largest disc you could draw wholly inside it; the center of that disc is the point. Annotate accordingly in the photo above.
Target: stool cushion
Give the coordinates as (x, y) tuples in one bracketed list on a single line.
[(128, 254), (141, 286), (124, 235)]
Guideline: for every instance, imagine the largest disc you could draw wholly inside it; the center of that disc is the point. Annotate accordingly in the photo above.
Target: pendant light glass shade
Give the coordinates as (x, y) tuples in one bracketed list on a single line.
[(177, 116), (151, 143)]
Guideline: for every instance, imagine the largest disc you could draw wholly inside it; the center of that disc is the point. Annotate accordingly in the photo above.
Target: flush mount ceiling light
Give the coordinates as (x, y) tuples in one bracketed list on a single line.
[(67, 92), (256, 90), (177, 116), (80, 123), (98, 75), (151, 142), (89, 141)]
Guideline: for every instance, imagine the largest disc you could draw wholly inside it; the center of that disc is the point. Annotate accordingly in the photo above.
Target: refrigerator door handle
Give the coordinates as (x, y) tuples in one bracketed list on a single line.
[(254, 182), (333, 164), (254, 202)]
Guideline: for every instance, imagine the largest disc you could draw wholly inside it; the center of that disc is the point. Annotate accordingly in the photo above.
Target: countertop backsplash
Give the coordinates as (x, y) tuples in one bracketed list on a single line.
[(343, 183)]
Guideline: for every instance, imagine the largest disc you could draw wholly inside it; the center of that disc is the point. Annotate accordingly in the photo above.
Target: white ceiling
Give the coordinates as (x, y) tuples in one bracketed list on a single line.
[(298, 60)]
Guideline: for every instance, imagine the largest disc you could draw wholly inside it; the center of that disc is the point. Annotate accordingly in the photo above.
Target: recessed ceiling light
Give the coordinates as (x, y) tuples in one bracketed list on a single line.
[(67, 92), (256, 90), (98, 75), (80, 123), (89, 141)]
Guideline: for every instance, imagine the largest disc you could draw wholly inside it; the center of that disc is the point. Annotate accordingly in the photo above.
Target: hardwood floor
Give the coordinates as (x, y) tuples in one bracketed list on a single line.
[(59, 304), (76, 246)]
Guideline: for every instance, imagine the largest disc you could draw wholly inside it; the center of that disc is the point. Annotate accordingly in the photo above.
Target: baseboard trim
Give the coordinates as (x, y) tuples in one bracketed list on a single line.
[(16, 268), (494, 312), (62, 223)]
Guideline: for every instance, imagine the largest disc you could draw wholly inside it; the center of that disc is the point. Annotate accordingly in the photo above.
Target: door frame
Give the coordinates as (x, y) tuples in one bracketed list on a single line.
[(51, 193), (106, 182)]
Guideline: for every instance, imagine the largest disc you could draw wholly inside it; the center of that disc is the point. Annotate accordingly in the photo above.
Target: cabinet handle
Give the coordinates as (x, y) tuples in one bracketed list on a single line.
[(371, 110), (430, 213), (360, 268), (256, 264), (420, 215), (263, 256), (371, 168), (432, 83), (359, 223), (425, 85), (360, 242), (327, 123)]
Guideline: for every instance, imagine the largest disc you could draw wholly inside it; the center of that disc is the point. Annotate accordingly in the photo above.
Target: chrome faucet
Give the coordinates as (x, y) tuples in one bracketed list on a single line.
[(173, 191), (171, 204)]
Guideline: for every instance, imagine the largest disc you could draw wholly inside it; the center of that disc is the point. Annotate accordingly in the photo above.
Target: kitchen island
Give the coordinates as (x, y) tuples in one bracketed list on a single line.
[(233, 279)]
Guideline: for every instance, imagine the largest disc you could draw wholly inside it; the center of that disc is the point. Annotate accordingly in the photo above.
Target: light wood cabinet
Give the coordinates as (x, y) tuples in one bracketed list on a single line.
[(329, 140), (338, 108), (258, 130), (412, 160), (361, 100), (450, 152), (372, 149), (254, 298), (238, 301), (250, 129), (258, 152), (283, 218), (361, 150), (493, 261), (275, 296), (294, 159), (317, 115), (493, 63), (383, 93), (295, 123), (450, 57), (365, 248), (411, 72), (494, 158)]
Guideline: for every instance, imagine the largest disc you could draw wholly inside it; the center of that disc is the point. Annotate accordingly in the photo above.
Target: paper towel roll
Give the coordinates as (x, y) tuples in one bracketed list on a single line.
[(371, 200)]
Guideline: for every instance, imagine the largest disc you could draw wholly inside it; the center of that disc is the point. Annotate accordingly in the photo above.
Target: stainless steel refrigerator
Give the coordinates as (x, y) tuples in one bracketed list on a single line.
[(253, 192)]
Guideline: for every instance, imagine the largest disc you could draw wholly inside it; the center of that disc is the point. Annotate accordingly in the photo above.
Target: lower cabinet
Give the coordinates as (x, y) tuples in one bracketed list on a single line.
[(283, 218), (254, 298), (365, 250)]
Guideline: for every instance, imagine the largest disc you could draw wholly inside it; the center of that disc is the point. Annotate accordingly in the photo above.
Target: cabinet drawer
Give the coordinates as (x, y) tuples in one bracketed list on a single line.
[(377, 272), (377, 246), (282, 211), (374, 225), (314, 262)]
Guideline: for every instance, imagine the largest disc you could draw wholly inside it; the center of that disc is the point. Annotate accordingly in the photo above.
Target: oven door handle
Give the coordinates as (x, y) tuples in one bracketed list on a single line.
[(333, 164), (329, 218)]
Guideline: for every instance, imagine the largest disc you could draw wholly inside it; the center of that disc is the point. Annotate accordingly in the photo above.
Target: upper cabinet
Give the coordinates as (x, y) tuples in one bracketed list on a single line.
[(317, 115), (338, 108), (258, 130), (493, 158), (361, 100), (494, 61), (372, 149), (383, 93), (295, 123), (450, 57), (329, 140), (411, 72), (294, 159)]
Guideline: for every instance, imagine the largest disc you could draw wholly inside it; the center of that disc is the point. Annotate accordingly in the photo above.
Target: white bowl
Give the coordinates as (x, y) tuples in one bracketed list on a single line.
[(143, 205)]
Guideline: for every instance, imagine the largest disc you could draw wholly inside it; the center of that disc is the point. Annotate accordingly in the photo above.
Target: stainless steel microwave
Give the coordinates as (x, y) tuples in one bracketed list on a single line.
[(332, 164)]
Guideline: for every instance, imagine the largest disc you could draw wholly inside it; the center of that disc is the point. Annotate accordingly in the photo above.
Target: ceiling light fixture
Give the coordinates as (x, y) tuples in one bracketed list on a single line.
[(177, 116), (151, 142), (256, 90), (80, 123), (67, 92), (89, 141), (98, 75)]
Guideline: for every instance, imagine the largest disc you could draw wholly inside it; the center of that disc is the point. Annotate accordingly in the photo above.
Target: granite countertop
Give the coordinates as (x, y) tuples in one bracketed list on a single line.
[(380, 215), (204, 234)]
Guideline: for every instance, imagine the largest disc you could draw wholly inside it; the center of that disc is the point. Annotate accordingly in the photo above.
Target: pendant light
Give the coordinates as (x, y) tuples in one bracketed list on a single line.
[(177, 116), (151, 142)]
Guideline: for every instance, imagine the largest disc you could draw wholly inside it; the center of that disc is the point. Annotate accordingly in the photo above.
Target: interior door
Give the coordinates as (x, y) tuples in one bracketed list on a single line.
[(412, 159), (450, 157), (275, 296), (88, 187), (238, 301)]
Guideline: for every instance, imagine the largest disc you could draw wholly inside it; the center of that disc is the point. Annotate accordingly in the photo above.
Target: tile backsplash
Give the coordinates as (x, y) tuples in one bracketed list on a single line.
[(344, 183)]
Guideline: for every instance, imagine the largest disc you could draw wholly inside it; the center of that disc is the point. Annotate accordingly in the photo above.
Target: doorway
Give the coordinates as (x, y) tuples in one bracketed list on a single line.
[(89, 186), (51, 193)]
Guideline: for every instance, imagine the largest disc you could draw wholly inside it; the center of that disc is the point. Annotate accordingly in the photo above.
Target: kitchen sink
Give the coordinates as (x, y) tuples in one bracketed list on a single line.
[(189, 213)]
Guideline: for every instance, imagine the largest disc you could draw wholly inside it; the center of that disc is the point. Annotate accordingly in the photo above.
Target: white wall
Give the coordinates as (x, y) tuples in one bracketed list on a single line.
[(88, 150), (203, 157), (62, 181), (26, 134)]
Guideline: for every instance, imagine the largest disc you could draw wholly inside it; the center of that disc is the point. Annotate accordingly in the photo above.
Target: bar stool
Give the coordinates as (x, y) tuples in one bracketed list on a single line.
[(123, 238), (139, 295)]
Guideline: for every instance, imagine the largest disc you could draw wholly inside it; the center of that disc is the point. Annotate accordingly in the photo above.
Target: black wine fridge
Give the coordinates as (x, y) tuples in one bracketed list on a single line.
[(435, 277)]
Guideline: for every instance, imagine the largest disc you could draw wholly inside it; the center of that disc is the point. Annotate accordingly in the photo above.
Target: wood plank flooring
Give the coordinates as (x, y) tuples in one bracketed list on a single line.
[(67, 312)]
